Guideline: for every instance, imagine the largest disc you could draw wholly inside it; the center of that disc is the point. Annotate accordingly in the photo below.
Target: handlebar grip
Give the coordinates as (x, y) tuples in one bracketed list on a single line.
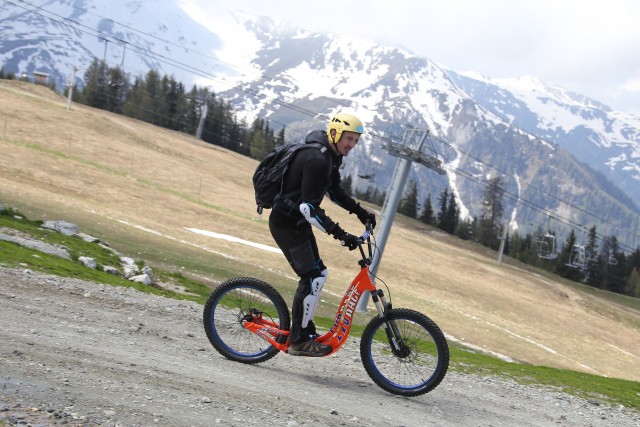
[(364, 236)]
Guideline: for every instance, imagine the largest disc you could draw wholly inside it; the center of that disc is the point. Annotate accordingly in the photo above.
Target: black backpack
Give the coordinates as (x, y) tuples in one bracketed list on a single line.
[(268, 179)]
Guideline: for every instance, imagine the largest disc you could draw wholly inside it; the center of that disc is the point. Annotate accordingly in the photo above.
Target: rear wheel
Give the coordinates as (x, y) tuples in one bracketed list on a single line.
[(406, 353), (234, 301)]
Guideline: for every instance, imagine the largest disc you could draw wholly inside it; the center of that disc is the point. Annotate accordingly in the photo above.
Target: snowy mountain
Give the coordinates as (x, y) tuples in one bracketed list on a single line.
[(558, 153), (304, 77), (55, 36), (607, 140)]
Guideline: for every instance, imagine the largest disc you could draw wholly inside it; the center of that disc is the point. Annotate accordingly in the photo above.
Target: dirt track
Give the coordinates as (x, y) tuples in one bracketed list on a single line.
[(81, 354)]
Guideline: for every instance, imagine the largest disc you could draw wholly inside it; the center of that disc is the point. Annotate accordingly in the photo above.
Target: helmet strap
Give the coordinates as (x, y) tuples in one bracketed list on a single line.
[(332, 136)]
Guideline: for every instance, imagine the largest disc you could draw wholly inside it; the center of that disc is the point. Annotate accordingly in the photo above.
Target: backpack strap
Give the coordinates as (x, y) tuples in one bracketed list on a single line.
[(288, 198)]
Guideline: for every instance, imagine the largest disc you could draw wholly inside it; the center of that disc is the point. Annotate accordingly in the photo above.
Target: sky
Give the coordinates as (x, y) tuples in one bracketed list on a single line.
[(588, 46)]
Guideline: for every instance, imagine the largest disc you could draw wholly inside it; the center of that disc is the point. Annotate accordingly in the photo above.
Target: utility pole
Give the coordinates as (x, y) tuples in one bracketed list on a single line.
[(70, 88), (124, 51), (104, 55), (204, 111), (406, 156), (503, 239)]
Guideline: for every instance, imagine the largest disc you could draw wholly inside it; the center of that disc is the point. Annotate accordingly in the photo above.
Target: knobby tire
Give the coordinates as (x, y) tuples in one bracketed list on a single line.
[(419, 365), (228, 305)]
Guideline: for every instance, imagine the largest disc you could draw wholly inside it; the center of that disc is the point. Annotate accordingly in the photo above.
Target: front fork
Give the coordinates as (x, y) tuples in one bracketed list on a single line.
[(398, 346)]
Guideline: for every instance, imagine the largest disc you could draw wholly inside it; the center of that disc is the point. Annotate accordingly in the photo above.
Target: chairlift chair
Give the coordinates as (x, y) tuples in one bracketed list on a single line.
[(577, 257), (547, 247), (116, 84)]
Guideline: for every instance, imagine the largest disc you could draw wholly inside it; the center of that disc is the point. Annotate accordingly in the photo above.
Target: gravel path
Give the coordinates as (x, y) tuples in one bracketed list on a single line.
[(82, 354)]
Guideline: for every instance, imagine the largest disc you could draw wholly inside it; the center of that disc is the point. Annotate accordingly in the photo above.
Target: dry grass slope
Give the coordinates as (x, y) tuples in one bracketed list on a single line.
[(142, 186)]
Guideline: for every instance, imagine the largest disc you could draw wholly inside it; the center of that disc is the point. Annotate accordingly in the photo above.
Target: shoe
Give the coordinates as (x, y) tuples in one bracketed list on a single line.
[(309, 348)]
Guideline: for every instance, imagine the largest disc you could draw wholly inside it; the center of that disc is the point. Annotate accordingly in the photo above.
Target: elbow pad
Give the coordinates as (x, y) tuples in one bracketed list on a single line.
[(309, 213)]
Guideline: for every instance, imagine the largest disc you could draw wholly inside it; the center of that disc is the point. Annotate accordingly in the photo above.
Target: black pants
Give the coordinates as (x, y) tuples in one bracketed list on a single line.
[(296, 240)]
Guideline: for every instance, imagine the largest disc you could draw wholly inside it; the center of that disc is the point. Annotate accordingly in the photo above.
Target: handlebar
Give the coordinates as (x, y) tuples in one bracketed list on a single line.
[(361, 240), (364, 236)]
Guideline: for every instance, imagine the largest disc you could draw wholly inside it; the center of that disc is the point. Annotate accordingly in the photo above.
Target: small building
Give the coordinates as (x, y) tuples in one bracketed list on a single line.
[(40, 78)]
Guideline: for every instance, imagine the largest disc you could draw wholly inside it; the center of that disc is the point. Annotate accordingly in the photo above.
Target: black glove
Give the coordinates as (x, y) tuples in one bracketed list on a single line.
[(364, 216), (348, 240)]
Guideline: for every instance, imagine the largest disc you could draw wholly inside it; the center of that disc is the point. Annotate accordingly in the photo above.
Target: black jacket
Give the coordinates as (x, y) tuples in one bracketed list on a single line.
[(315, 173)]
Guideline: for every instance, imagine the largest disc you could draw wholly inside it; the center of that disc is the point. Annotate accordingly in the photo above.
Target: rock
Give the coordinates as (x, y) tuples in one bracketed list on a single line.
[(63, 227), (109, 248), (127, 261), (129, 267), (87, 238), (141, 278), (30, 242), (147, 270), (111, 270), (88, 261)]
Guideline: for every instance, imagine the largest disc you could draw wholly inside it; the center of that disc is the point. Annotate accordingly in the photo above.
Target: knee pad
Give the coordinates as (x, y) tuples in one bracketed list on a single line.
[(310, 302)]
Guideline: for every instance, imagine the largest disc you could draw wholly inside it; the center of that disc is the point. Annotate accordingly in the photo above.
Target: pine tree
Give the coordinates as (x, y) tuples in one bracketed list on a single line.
[(239, 136), (614, 266), (163, 104), (633, 261), (8, 75), (594, 267), (96, 83), (117, 87), (465, 229), (191, 115), (492, 202), (179, 119), (134, 98), (632, 287), (216, 122), (427, 215), (173, 94), (149, 100), (261, 141), (492, 211), (452, 216), (633, 284), (563, 265), (409, 205), (280, 138), (443, 201)]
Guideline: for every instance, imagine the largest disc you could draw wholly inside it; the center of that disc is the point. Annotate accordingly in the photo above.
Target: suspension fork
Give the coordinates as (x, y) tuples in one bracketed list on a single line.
[(398, 346)]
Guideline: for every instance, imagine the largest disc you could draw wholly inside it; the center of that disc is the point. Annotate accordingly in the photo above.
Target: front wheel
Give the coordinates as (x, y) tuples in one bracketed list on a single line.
[(238, 300), (406, 353)]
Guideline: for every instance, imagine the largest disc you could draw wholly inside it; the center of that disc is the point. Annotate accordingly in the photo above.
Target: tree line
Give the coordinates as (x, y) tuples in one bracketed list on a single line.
[(596, 261), (165, 102)]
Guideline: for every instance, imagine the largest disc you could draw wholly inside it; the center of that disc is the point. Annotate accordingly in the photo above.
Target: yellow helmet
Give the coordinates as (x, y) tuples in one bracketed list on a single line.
[(344, 122)]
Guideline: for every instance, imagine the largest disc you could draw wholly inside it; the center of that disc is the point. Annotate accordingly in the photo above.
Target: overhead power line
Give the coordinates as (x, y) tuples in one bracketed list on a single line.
[(198, 72)]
